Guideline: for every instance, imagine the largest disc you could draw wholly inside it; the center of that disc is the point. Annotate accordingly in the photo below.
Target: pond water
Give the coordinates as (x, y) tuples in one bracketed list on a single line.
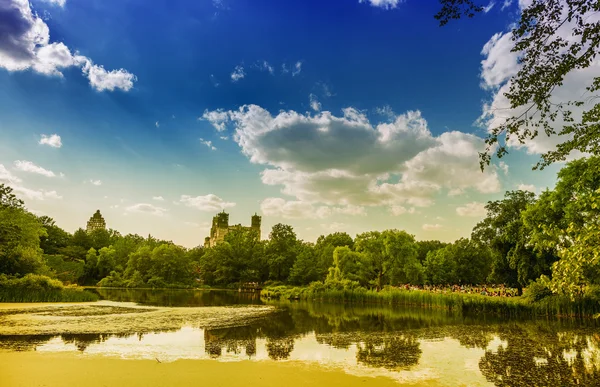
[(409, 346)]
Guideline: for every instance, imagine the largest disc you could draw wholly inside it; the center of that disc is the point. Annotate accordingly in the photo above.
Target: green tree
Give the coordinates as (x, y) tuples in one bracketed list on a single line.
[(546, 58), (20, 233), (55, 239), (514, 260), (424, 247), (281, 251), (440, 267), (305, 269), (324, 250)]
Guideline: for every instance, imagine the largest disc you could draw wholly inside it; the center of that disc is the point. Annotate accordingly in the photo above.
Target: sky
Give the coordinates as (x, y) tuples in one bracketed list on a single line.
[(329, 116)]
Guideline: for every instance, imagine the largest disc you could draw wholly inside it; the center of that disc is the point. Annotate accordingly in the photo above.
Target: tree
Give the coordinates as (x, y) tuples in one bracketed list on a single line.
[(440, 267), (20, 233), (305, 269), (579, 263), (324, 250), (8, 199), (386, 252), (55, 239), (553, 38), (424, 247), (281, 251), (514, 261)]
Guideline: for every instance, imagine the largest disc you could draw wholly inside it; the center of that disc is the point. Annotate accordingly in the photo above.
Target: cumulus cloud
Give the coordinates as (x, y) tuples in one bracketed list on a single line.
[(15, 183), (346, 160), (158, 198), (53, 140), (314, 102), (473, 209), (28, 166), (95, 182), (385, 4), (25, 44), (431, 227), (504, 167), (218, 118), (500, 65), (335, 226), (238, 73), (208, 202), (146, 208), (295, 209)]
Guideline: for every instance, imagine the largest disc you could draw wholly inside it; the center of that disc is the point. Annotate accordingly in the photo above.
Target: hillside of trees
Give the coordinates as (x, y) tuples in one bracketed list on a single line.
[(552, 239)]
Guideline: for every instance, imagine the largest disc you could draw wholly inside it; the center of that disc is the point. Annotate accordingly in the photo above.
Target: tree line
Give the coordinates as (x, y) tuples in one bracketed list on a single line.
[(551, 239)]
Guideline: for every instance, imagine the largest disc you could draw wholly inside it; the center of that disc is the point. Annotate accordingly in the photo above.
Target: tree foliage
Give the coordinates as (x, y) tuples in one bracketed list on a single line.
[(552, 38)]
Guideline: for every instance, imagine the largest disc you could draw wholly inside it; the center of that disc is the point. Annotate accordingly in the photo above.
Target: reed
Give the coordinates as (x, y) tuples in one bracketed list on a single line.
[(458, 302)]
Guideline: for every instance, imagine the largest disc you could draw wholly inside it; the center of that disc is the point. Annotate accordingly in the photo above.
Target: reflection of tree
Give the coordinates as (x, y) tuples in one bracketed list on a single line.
[(82, 341), (23, 342), (280, 349), (534, 358), (232, 339), (389, 352)]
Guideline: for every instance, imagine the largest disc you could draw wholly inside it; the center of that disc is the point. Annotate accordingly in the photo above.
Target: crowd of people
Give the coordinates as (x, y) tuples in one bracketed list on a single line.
[(484, 290)]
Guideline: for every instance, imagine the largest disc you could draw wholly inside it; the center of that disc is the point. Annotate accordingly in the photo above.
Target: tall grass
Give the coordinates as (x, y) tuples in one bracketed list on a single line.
[(39, 288), (458, 302)]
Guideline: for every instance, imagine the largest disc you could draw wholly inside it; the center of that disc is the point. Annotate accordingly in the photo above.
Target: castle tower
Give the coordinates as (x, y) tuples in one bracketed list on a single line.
[(96, 222), (255, 224)]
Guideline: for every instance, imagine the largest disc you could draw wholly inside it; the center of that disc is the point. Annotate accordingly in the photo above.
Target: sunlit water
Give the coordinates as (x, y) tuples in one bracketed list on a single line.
[(407, 345)]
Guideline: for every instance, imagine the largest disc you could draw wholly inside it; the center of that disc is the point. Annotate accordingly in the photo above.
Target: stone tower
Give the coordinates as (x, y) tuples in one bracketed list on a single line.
[(96, 222), (256, 223)]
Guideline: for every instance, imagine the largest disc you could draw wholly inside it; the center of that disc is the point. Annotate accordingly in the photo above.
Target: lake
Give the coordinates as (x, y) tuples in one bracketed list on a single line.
[(147, 338)]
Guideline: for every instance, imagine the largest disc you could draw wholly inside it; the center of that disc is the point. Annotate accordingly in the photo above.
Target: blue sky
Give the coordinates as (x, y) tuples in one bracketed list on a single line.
[(159, 133)]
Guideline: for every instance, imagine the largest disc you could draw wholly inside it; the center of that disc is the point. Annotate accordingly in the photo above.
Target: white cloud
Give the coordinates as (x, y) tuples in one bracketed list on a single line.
[(218, 118), (25, 44), (157, 124), (208, 202), (506, 4), (208, 144), (53, 140), (158, 198), (96, 182), (346, 160), (28, 166), (294, 209), (146, 208), (527, 187), (504, 167), (489, 7), (60, 3), (7, 177), (431, 227), (265, 66), (473, 209), (297, 68), (314, 103), (500, 64), (385, 4), (387, 112), (237, 74)]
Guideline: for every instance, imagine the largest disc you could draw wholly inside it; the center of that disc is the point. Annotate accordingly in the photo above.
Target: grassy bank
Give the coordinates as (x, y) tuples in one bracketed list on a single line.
[(39, 288), (458, 302)]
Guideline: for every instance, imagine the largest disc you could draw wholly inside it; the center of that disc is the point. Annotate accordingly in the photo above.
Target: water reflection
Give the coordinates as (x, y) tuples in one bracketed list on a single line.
[(406, 344)]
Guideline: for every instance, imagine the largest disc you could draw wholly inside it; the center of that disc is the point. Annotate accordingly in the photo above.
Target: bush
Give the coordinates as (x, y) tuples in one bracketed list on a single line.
[(537, 291), (39, 288)]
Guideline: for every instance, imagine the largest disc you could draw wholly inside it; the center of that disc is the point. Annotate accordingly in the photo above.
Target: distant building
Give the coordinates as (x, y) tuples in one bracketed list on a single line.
[(220, 228), (96, 222)]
